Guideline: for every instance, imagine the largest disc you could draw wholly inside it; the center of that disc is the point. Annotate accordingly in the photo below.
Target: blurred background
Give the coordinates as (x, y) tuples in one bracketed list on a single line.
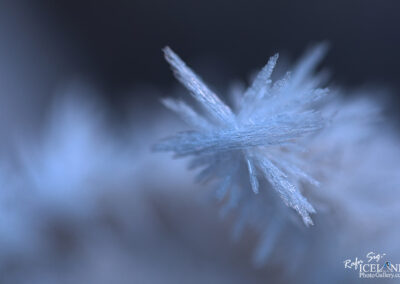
[(80, 83), (117, 44)]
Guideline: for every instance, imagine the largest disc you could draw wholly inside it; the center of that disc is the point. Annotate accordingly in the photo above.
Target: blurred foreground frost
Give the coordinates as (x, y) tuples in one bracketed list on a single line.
[(83, 200)]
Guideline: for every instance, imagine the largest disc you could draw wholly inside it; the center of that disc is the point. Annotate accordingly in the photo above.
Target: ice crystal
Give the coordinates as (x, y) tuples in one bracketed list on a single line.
[(270, 120)]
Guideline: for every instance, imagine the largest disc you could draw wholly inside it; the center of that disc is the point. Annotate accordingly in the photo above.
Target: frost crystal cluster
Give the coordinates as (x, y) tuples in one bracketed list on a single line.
[(250, 147)]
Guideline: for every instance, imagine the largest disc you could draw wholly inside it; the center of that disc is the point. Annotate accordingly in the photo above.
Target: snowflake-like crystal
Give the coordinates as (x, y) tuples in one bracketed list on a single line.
[(269, 120)]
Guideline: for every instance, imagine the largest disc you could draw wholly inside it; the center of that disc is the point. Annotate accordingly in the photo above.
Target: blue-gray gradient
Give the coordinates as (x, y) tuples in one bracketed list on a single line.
[(85, 199)]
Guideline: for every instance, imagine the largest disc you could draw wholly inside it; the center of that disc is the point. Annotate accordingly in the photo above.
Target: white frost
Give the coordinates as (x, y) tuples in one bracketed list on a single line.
[(271, 118)]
